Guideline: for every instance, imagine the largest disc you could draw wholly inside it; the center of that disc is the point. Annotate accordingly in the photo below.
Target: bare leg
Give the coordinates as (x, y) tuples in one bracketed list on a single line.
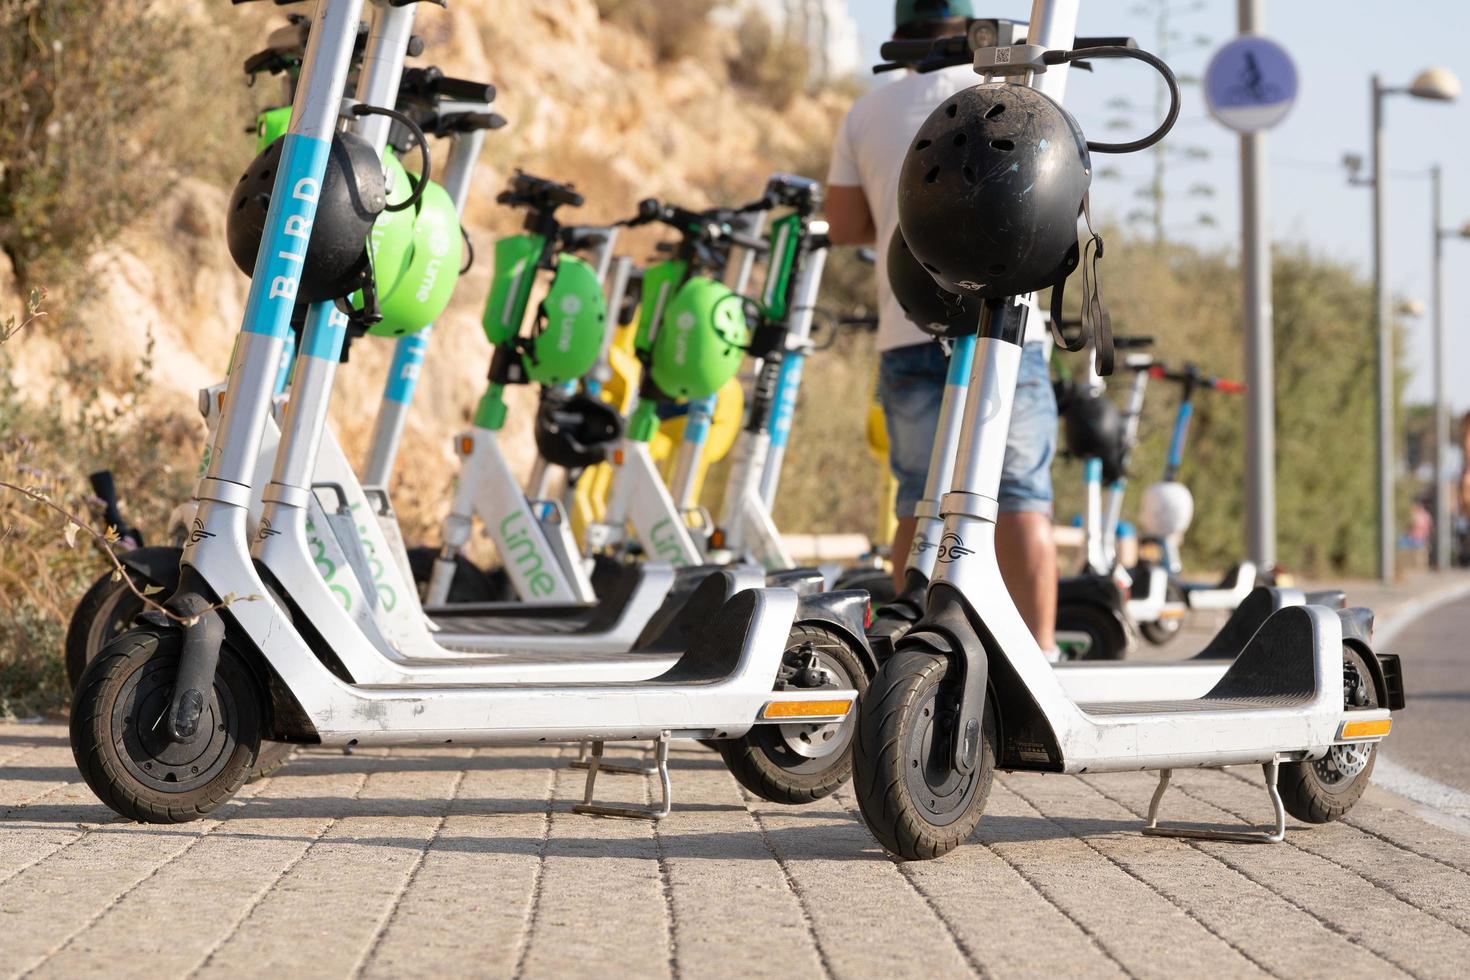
[(1028, 563), (898, 548)]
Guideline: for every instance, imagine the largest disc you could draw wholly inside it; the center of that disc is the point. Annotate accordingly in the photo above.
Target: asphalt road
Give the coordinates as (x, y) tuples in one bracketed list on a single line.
[(1430, 735)]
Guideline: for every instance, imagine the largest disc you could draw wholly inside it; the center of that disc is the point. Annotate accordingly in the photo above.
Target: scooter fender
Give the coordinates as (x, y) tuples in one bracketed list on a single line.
[(842, 612), (158, 565), (947, 626), (897, 616), (1388, 675)]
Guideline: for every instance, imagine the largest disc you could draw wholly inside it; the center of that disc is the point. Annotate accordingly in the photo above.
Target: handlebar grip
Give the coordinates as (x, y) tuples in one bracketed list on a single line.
[(1132, 343), (464, 90), (1230, 387), (1081, 43)]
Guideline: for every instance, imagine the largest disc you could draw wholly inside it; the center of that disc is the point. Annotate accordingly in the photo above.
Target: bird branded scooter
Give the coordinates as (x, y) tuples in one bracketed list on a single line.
[(967, 690), (1167, 508), (168, 718)]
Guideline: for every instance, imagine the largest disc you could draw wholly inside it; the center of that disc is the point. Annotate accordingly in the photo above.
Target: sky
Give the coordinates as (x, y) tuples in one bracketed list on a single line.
[(1336, 46)]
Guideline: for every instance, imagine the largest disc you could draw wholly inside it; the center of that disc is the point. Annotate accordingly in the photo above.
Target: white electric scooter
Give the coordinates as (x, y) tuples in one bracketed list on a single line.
[(967, 690), (168, 718)]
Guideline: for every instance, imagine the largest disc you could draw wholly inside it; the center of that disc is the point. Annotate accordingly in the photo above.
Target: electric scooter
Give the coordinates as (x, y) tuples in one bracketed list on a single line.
[(1167, 508), (168, 719), (967, 690)]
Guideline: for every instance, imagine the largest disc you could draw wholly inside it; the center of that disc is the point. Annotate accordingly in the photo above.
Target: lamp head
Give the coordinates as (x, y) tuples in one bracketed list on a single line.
[(1435, 84)]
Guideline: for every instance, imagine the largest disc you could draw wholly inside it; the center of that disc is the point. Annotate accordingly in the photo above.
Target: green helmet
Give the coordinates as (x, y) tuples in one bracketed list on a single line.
[(270, 126), (571, 320), (701, 340), (416, 256)]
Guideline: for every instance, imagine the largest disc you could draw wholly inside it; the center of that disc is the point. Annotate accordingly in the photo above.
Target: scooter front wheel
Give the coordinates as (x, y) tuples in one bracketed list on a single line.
[(1162, 631), (913, 800), (118, 731), (1322, 790), (796, 764)]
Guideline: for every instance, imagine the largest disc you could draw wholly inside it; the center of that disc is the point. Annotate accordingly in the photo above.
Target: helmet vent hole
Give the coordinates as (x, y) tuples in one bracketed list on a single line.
[(969, 173), (952, 110), (959, 139), (923, 145), (265, 174), (995, 110), (931, 176), (1005, 146)]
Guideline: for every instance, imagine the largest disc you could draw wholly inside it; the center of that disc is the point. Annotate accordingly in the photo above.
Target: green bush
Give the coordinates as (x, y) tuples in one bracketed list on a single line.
[(91, 98)]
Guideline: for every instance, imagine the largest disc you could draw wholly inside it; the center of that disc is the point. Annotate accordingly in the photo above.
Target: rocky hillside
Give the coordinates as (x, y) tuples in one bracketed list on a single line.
[(590, 97)]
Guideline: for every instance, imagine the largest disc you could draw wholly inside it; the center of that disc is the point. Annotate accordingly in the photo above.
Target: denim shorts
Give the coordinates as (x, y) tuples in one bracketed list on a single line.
[(910, 388)]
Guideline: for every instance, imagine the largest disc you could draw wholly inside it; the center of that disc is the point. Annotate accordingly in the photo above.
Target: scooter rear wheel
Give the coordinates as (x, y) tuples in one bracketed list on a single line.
[(118, 739), (1106, 639), (104, 611), (1322, 790), (1162, 631), (912, 799), (796, 764)]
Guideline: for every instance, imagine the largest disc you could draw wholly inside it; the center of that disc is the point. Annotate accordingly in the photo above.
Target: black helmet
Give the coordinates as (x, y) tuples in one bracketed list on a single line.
[(1094, 428), (932, 309), (575, 430), (352, 196), (991, 189)]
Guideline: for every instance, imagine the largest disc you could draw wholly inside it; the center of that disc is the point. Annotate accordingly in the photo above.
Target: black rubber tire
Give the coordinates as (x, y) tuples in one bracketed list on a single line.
[(887, 765), (763, 762), (1315, 792), (877, 582), (1108, 641), (111, 745), (272, 756), (106, 610), (471, 583), (1162, 632)]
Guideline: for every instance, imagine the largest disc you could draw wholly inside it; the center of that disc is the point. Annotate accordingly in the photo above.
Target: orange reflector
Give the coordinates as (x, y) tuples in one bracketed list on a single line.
[(806, 709), (1366, 729), (717, 538), (617, 457), (1167, 613), (466, 445)]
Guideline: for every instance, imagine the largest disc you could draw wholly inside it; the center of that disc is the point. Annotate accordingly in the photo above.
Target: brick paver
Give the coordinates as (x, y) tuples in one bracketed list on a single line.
[(461, 861)]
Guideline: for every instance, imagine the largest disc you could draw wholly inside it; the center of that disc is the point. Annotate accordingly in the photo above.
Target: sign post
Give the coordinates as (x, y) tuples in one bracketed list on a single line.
[(1250, 86)]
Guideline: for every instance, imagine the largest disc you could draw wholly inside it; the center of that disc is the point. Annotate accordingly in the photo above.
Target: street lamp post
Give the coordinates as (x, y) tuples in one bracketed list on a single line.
[(1438, 85), (1441, 360)]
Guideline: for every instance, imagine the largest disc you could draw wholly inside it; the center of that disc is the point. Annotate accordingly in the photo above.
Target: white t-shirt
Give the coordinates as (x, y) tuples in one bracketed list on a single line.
[(869, 153)]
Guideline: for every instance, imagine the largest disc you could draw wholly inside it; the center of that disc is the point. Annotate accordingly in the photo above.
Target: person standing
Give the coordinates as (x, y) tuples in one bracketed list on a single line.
[(862, 209)]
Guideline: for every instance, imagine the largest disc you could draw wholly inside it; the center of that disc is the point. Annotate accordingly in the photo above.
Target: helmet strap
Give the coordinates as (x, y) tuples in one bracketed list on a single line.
[(1097, 324)]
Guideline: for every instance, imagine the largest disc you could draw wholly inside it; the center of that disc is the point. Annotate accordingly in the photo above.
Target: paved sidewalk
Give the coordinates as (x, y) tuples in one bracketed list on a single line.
[(469, 862)]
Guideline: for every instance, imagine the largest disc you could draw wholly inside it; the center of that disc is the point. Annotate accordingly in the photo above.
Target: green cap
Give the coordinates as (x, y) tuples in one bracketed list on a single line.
[(906, 12)]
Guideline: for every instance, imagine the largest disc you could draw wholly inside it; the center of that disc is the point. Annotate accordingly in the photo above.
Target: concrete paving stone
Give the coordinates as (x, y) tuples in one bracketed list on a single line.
[(598, 907), (469, 901), (324, 911), (1003, 921), (1400, 823), (1232, 906), (868, 918), (1405, 936), (1133, 924), (734, 911), (219, 881)]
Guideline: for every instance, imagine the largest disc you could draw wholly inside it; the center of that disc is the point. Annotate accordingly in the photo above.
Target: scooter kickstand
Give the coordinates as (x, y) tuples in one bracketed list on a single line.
[(584, 761), (1276, 836), (661, 766)]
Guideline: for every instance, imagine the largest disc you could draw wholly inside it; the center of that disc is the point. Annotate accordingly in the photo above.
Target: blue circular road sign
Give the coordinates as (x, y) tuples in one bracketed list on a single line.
[(1250, 84)]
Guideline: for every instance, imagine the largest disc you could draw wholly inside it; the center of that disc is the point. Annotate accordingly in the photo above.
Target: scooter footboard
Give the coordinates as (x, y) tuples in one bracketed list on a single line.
[(1281, 698), (720, 688)]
